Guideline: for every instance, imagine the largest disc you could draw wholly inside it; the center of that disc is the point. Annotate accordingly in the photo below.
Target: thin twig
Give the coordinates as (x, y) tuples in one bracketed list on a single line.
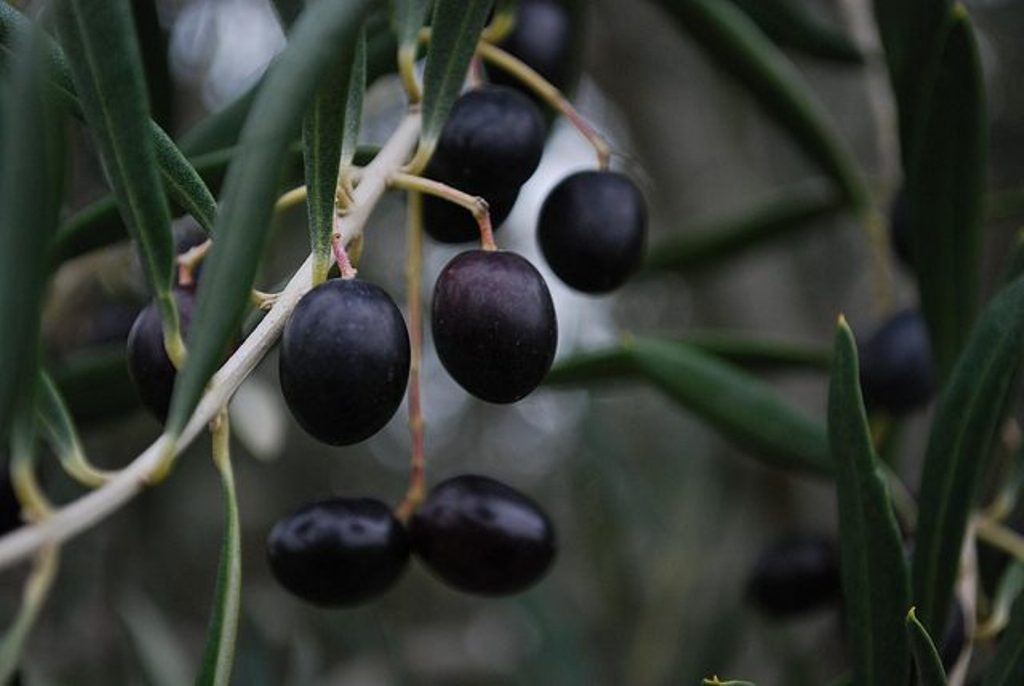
[(476, 205)]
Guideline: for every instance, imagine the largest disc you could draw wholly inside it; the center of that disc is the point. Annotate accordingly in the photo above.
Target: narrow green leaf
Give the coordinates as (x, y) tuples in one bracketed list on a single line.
[(409, 18), (743, 409), (945, 193), (929, 665), (705, 246), (107, 71), (455, 29), (31, 188), (911, 32), (1007, 669), (791, 26), (714, 681), (330, 131), (735, 43), (218, 657), (98, 225), (152, 40), (181, 181), (740, 350), (221, 129), (969, 413), (875, 586), (58, 429), (323, 33)]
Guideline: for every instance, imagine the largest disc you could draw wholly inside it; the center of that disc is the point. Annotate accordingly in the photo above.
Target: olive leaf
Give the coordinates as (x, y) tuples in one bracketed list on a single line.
[(969, 413), (322, 33), (911, 32), (791, 26), (741, 408), (58, 429), (31, 188), (705, 246), (945, 192), (736, 44), (455, 29), (409, 18), (929, 665), (874, 573), (107, 72), (218, 656), (330, 131), (745, 352)]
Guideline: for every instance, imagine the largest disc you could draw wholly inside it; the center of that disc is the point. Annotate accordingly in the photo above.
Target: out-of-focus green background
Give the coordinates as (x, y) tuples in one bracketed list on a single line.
[(659, 520)]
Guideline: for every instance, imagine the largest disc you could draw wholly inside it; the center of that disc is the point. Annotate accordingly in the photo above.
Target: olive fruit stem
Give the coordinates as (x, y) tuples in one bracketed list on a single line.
[(503, 23), (474, 203), (37, 588), (414, 304), (407, 73), (999, 536), (190, 260), (86, 511), (341, 257), (549, 94), (290, 199), (34, 503)]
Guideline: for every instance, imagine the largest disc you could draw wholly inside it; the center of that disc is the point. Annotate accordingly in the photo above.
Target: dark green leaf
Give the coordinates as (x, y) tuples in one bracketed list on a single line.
[(221, 129), (945, 186), (107, 71), (875, 587), (743, 409), (98, 224), (791, 26), (182, 183), (706, 246), (454, 31), (153, 41), (330, 132), (409, 18), (736, 44), (323, 33), (218, 656), (31, 188), (1007, 669), (929, 664), (58, 429), (743, 351), (911, 32), (966, 422)]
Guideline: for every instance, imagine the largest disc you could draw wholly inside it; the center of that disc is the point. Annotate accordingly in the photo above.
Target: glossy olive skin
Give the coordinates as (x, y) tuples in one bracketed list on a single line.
[(447, 222), (481, 536), (592, 230), (344, 361), (494, 324), (150, 368), (896, 372), (490, 146), (542, 38), (794, 576), (338, 552)]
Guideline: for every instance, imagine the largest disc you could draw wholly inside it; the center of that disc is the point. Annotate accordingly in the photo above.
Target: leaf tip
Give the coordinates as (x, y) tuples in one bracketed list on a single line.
[(912, 614)]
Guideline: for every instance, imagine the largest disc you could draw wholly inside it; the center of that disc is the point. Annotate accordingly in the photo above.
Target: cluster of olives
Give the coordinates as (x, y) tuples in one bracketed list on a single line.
[(345, 353)]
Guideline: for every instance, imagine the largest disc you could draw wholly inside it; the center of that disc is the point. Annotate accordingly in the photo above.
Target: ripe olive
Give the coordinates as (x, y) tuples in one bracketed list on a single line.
[(794, 576), (481, 536), (592, 230), (494, 324), (338, 552), (896, 373), (344, 361), (151, 370)]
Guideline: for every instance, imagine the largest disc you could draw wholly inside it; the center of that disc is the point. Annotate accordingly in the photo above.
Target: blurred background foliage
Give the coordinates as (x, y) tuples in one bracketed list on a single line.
[(659, 519)]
